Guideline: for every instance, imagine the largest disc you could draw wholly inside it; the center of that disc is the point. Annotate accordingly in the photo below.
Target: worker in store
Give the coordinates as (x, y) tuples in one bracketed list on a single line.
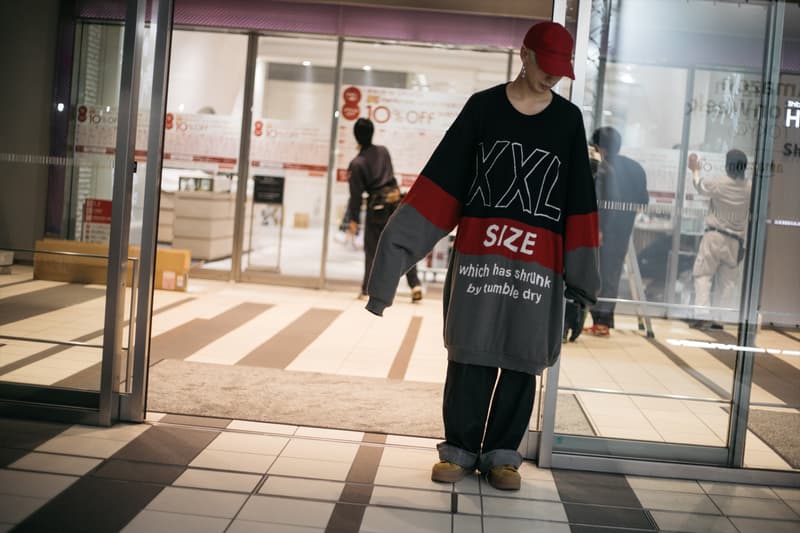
[(371, 172), (512, 172), (621, 186), (723, 243)]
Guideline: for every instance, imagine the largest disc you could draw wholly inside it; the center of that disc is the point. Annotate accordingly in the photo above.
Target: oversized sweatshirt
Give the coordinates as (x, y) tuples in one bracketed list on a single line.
[(520, 189)]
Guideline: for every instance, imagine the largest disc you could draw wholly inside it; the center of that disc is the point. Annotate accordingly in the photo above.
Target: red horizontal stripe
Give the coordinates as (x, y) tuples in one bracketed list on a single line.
[(512, 239), (582, 231), (434, 203)]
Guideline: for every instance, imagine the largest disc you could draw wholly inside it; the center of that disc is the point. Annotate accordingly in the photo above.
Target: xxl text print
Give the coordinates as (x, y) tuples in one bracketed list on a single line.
[(533, 178)]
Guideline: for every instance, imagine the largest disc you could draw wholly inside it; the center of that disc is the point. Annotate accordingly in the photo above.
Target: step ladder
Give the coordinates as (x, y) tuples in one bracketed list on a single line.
[(637, 289)]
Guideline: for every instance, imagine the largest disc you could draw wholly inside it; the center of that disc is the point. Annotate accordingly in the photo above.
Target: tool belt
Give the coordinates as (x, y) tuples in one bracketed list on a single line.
[(382, 202), (740, 253)]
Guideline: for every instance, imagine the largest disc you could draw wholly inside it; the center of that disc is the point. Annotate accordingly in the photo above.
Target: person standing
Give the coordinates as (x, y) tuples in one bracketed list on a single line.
[(722, 245), (621, 186), (371, 171), (512, 172)]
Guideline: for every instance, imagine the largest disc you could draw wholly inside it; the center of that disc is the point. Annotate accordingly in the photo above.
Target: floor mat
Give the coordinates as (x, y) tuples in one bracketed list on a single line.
[(378, 405), (781, 432)]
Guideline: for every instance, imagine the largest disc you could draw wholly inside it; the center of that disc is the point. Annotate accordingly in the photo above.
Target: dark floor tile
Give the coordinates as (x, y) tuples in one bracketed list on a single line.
[(30, 304), (202, 421), (365, 465), (353, 493), (91, 505), (345, 518), (27, 434), (145, 472), (167, 445), (9, 455), (598, 515), (594, 488)]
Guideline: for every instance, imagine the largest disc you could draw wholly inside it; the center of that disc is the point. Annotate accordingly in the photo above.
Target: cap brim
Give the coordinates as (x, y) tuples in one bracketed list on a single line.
[(555, 65)]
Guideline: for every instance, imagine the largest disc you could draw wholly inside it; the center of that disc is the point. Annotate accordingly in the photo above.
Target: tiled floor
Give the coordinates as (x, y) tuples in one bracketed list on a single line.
[(176, 474), (299, 330)]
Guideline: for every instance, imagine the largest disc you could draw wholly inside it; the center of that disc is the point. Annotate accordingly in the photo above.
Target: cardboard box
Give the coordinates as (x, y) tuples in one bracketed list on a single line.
[(172, 266), (301, 220)]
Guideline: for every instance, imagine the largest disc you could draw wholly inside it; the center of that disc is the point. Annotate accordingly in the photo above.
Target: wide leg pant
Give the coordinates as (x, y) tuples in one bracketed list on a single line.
[(471, 394)]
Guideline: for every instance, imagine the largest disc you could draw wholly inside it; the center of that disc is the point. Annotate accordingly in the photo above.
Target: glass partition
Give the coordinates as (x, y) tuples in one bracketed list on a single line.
[(412, 94), (289, 150), (654, 374), (201, 147)]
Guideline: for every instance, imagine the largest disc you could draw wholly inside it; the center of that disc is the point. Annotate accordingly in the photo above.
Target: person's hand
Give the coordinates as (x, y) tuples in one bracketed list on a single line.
[(574, 318), (694, 162), (353, 227)]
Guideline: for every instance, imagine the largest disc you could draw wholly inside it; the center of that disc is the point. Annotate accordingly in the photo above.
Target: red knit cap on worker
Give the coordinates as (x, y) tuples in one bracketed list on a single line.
[(552, 44)]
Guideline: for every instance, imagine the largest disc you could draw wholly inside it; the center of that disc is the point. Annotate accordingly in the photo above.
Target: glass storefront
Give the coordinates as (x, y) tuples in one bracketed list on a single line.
[(699, 365)]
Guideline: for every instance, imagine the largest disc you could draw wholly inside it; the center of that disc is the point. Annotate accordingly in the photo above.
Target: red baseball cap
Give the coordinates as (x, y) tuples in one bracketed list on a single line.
[(552, 44)]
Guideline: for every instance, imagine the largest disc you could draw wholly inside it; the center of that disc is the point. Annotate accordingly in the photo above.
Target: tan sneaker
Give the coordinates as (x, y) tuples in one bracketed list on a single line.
[(447, 472), (504, 477), (416, 294)]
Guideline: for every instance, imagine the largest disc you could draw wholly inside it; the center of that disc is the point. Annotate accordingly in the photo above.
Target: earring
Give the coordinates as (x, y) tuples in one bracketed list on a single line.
[(523, 72)]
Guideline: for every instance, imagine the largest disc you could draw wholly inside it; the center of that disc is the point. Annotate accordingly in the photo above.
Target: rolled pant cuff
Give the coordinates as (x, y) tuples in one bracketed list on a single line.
[(499, 457), (454, 454)]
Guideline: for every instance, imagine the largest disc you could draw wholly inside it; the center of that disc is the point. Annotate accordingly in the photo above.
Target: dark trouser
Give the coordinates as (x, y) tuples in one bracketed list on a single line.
[(468, 392), (616, 229), (372, 233)]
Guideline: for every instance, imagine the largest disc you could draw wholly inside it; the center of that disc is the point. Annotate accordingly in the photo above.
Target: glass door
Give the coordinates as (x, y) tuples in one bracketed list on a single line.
[(289, 150), (65, 345), (658, 371)]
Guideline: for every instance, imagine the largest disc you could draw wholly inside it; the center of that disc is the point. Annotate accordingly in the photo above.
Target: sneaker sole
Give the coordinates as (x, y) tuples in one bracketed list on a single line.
[(448, 477)]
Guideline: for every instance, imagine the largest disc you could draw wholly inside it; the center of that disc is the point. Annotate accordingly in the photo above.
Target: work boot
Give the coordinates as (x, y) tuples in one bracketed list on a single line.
[(416, 294), (504, 477), (447, 472)]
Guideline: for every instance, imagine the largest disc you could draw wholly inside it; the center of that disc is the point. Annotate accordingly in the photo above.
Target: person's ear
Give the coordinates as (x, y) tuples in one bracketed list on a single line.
[(523, 53)]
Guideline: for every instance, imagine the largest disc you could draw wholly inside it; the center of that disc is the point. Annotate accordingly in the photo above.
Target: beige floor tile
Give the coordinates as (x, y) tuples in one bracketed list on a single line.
[(249, 443), (286, 511), (215, 480), (661, 500), (692, 523), (235, 461), (197, 502), (760, 525), (302, 488), (754, 507), (318, 449), (55, 463), (510, 525), (467, 524), (333, 434), (528, 509), (308, 468), (82, 446), (262, 427), (382, 520), (410, 498), (149, 521)]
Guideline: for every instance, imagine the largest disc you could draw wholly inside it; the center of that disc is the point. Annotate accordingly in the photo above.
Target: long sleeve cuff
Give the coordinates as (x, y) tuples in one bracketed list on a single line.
[(376, 306)]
